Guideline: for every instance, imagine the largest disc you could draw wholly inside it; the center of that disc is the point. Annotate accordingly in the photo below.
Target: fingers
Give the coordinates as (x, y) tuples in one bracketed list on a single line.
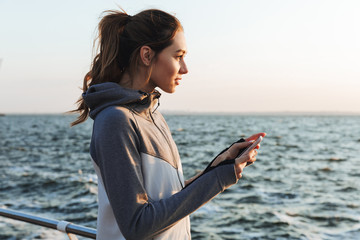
[(256, 136), (231, 153), (241, 145), (252, 156), (252, 159), (243, 161), (248, 157), (239, 169), (235, 149)]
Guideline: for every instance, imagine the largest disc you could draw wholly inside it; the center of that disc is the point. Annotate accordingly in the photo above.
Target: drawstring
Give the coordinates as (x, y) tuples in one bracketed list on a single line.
[(158, 104), (147, 98)]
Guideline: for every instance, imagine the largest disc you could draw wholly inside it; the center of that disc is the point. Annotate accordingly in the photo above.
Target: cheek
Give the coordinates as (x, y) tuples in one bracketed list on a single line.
[(172, 69), (168, 68)]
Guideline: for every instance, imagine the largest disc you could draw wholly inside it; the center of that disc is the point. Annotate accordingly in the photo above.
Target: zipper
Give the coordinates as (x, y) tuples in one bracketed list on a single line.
[(171, 149)]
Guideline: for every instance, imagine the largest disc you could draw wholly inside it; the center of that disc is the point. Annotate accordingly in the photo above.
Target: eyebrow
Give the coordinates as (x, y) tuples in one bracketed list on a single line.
[(181, 50)]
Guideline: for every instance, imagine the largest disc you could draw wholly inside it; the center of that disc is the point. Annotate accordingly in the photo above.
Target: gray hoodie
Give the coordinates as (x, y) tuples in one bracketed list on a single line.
[(140, 178)]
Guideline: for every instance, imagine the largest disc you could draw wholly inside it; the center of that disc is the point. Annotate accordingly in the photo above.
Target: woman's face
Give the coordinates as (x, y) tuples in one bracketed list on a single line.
[(169, 65)]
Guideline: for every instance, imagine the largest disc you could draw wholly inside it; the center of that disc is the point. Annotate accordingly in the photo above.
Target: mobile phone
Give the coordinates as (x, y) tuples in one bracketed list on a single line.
[(251, 147)]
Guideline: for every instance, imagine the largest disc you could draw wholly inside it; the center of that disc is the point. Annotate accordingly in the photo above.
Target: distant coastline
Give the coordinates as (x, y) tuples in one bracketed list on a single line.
[(280, 113)]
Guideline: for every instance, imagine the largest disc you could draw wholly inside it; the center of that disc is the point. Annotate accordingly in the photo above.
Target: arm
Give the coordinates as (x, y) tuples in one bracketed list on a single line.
[(116, 151)]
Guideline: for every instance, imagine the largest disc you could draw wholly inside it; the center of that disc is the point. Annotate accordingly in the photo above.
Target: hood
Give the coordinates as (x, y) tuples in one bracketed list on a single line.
[(103, 95)]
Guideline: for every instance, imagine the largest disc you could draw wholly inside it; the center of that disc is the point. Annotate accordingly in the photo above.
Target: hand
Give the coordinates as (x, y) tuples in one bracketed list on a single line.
[(254, 137), (231, 153), (244, 160), (240, 162), (249, 158)]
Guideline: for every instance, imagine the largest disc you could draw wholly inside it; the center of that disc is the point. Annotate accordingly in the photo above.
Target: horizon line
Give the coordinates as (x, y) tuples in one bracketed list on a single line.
[(183, 112)]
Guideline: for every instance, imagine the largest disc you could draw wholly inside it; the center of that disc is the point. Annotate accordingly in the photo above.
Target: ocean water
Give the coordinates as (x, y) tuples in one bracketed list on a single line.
[(304, 184)]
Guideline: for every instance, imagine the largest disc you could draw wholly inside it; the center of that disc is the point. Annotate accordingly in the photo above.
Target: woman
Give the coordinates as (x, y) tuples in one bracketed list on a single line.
[(142, 193)]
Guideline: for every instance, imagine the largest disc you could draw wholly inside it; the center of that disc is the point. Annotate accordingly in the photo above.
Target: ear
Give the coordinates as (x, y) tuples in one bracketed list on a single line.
[(146, 55)]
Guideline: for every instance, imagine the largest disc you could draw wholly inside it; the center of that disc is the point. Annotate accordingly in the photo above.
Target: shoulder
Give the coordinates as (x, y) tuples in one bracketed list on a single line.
[(114, 113), (114, 117)]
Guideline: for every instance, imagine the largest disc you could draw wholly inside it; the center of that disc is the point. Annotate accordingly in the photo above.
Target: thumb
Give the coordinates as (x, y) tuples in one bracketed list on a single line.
[(237, 148), (244, 144)]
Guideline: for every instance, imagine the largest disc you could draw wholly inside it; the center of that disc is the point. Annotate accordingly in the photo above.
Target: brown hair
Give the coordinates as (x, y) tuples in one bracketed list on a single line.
[(119, 41)]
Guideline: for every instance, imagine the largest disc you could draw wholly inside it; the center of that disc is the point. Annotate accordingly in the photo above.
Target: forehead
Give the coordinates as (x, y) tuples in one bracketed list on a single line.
[(179, 42)]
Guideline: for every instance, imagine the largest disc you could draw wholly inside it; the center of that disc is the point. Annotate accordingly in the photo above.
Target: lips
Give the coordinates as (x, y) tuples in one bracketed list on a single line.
[(177, 81)]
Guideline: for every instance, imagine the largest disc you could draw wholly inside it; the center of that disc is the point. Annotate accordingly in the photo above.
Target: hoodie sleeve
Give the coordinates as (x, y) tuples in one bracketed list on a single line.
[(115, 149)]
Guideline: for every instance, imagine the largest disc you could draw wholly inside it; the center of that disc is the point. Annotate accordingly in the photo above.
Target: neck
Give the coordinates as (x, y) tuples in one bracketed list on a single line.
[(137, 81)]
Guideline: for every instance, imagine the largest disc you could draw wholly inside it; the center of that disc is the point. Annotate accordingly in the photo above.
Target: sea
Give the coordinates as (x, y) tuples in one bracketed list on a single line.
[(305, 183)]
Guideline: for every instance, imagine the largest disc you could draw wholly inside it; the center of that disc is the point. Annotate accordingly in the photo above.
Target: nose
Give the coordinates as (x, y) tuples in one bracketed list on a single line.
[(183, 68)]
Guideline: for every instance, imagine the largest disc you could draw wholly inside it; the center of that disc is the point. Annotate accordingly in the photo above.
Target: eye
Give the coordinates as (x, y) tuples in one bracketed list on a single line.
[(180, 57)]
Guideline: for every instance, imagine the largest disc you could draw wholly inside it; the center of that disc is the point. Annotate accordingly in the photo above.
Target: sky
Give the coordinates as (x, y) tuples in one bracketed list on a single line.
[(243, 56)]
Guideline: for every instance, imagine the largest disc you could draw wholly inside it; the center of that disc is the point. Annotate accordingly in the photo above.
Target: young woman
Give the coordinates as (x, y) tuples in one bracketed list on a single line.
[(142, 193)]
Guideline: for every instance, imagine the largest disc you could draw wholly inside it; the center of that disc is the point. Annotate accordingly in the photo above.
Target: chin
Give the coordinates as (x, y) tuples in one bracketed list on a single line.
[(169, 90)]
